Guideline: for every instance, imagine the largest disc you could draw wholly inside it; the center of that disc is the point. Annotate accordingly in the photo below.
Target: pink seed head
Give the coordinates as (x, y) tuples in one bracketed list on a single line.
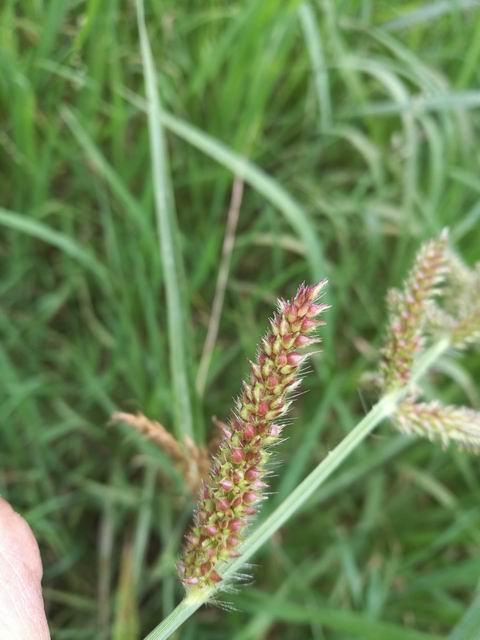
[(237, 456), (252, 473), (226, 484), (303, 310), (288, 340), (275, 430), (223, 504), (211, 530), (262, 408), (236, 485), (249, 431), (308, 325), (253, 457), (237, 477), (235, 525), (273, 381), (236, 503), (291, 312), (249, 497), (314, 310)]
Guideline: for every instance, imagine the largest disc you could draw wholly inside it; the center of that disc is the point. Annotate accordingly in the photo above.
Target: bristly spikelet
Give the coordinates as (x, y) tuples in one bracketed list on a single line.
[(460, 281), (233, 491), (459, 314), (466, 330), (408, 313), (417, 311), (464, 302), (440, 423)]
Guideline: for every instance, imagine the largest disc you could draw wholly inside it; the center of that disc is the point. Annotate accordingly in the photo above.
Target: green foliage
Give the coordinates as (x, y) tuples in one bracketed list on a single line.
[(355, 126)]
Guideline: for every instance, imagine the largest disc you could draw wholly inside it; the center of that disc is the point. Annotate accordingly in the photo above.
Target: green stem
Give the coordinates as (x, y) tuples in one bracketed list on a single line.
[(310, 484), (384, 408), (182, 612)]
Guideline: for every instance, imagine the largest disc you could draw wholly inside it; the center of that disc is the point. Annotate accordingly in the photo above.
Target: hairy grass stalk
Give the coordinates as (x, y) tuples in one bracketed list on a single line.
[(384, 408), (217, 545), (235, 487)]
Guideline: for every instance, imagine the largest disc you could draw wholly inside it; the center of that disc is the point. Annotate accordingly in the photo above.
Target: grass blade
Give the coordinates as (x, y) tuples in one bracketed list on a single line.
[(319, 68), (292, 210), (126, 625), (98, 160), (428, 13), (469, 625), (69, 247), (347, 622), (167, 229)]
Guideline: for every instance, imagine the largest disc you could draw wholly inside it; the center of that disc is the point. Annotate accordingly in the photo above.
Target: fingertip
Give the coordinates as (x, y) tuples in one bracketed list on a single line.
[(22, 614), (17, 536)]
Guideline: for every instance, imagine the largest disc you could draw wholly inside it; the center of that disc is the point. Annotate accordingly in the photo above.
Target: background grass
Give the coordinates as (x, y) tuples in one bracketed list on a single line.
[(360, 125)]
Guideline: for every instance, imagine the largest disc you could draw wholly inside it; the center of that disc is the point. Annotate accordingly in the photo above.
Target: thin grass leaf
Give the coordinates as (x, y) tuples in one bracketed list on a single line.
[(126, 625), (238, 165), (168, 232), (292, 210), (98, 160), (428, 13), (469, 625), (55, 13), (415, 104), (342, 621), (36, 229), (313, 41)]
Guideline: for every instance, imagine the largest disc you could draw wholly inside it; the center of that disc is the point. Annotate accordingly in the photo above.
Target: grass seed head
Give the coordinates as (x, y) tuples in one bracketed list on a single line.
[(235, 487), (440, 423), (409, 312)]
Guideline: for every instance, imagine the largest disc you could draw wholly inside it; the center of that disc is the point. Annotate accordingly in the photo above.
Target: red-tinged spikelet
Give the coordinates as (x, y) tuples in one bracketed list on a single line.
[(409, 312), (233, 491)]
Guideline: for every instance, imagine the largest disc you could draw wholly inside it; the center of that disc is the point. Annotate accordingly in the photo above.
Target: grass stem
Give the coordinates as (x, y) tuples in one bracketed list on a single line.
[(299, 496)]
